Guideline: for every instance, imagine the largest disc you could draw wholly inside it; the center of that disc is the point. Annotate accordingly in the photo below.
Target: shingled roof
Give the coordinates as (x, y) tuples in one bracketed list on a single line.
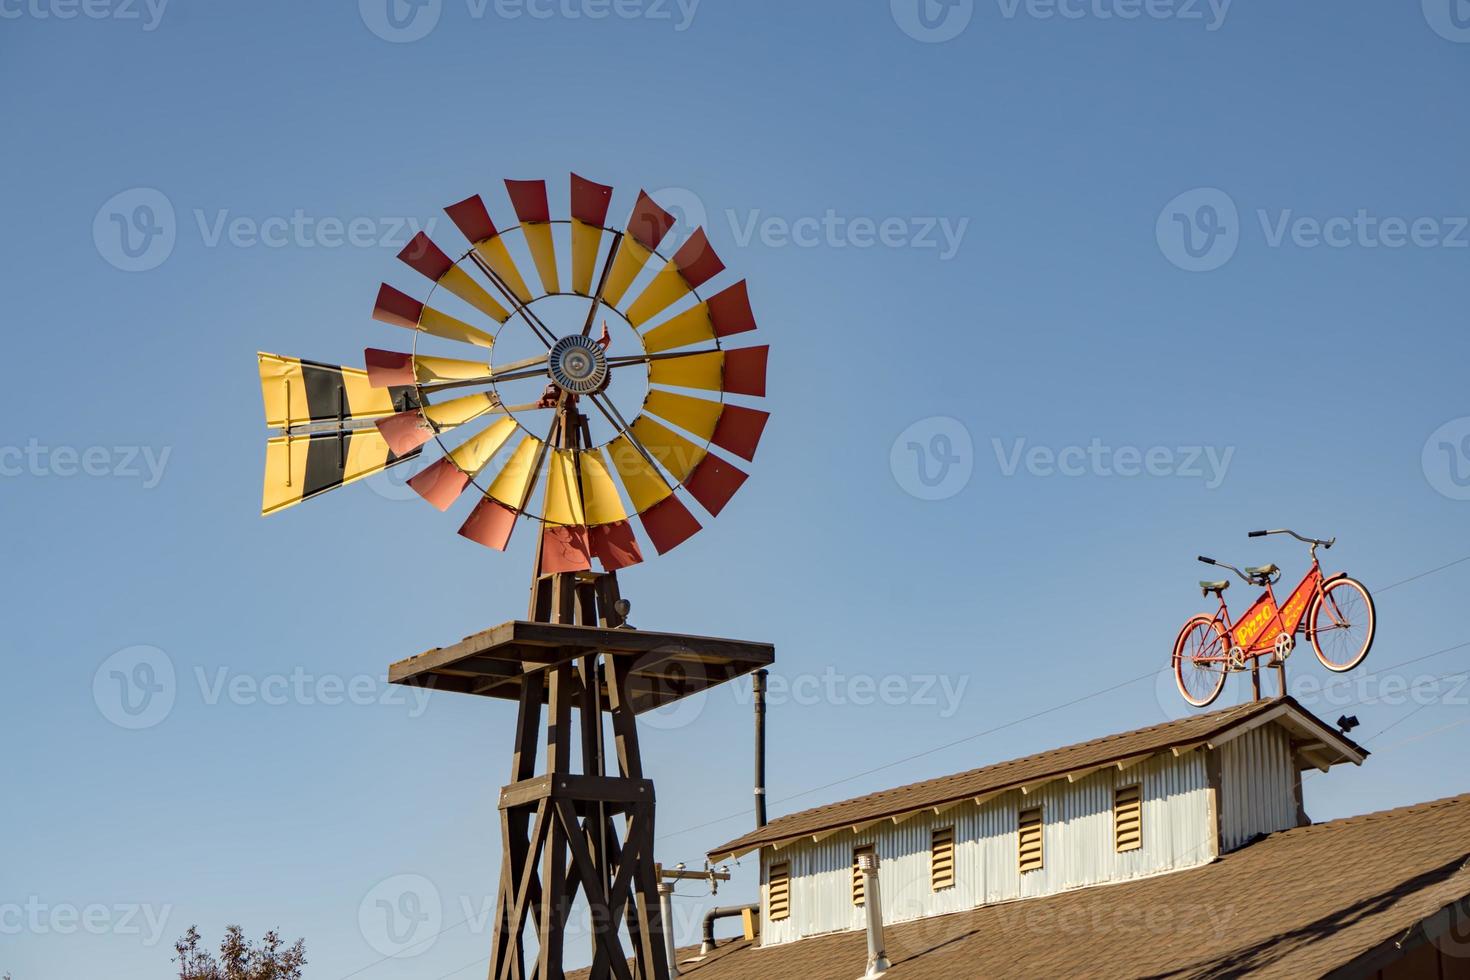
[(1210, 728), (1347, 895)]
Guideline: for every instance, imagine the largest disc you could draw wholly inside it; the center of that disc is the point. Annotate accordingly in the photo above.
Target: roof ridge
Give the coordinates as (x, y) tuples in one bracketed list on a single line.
[(1207, 722)]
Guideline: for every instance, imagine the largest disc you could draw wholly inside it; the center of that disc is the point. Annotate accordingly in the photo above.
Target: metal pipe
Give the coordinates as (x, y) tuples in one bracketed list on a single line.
[(873, 907), (720, 912), (666, 913), (759, 687)]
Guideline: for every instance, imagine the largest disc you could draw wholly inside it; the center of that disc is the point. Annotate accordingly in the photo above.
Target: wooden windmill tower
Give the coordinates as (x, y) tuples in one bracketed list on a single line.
[(573, 823)]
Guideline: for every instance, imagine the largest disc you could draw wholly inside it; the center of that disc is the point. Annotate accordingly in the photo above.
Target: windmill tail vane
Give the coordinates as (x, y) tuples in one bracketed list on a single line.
[(541, 435)]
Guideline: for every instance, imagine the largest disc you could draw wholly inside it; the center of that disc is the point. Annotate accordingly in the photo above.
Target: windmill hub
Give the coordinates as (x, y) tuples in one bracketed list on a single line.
[(578, 365)]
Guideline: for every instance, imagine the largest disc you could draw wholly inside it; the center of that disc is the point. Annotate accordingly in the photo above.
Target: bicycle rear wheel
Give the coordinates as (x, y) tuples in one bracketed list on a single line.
[(1201, 657), (1341, 623)]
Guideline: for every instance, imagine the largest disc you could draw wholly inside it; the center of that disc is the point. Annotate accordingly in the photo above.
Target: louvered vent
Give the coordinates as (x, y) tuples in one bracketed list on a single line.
[(778, 892), (1029, 839), (1128, 818), (857, 873), (941, 859)]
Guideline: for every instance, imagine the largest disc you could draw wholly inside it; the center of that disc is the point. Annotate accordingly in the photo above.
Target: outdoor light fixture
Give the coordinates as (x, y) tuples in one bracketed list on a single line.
[(1346, 723)]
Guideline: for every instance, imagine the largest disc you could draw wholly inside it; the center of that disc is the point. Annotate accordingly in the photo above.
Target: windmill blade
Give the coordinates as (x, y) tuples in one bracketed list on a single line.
[(303, 466), (647, 226), (495, 516), (426, 258), (299, 392), (674, 453), (739, 372), (609, 536), (406, 431), (402, 310), (739, 430), (713, 482), (443, 482), (490, 524), (669, 524), (473, 221), (666, 521), (589, 213), (564, 546), (697, 416), (723, 314), (528, 198), (386, 368), (691, 267)]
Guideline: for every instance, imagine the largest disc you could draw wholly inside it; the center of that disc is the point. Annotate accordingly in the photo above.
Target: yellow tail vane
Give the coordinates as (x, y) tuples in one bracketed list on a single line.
[(589, 213), (528, 198), (299, 467), (402, 310), (299, 392), (474, 222), (647, 226), (427, 259)]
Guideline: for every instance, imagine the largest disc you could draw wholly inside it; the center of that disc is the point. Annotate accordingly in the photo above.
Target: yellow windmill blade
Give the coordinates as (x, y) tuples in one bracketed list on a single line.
[(647, 226), (723, 314), (473, 221), (298, 467), (386, 368), (528, 198), (402, 310), (697, 416), (299, 392), (443, 482), (589, 213), (407, 431), (426, 258), (691, 267)]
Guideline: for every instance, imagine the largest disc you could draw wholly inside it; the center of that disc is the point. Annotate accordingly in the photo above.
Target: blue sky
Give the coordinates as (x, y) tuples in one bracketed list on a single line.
[(1219, 248)]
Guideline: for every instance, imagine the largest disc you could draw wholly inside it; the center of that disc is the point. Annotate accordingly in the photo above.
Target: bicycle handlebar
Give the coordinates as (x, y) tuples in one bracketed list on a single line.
[(1302, 538), (1210, 561)]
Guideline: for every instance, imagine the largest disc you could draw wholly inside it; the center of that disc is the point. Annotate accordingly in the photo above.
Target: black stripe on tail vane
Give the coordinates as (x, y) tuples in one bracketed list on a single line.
[(328, 397), (326, 459)]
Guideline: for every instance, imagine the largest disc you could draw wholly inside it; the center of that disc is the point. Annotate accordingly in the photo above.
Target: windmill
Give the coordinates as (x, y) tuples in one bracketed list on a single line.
[(524, 394)]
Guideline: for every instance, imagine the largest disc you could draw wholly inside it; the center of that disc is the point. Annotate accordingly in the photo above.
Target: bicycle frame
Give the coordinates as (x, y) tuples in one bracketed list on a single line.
[(1252, 636)]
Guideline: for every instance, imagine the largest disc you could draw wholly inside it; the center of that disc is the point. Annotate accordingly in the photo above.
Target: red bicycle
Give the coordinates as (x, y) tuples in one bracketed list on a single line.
[(1335, 611)]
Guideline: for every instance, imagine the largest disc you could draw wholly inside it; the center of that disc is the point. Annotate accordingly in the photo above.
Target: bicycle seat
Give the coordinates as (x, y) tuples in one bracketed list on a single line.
[(1215, 587), (1261, 575)]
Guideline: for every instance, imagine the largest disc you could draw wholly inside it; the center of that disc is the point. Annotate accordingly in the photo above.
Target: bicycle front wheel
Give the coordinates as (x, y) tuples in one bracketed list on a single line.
[(1201, 657), (1340, 624)]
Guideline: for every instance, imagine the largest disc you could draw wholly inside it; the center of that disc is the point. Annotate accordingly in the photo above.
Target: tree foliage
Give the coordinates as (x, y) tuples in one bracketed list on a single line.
[(239, 959)]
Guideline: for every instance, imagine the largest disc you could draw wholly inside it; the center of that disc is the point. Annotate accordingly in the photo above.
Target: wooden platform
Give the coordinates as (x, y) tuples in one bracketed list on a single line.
[(665, 666)]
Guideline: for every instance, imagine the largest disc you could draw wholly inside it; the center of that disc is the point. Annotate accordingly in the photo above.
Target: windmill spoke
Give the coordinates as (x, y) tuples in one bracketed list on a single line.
[(616, 420), (514, 371), (628, 359), (612, 253), (533, 321)]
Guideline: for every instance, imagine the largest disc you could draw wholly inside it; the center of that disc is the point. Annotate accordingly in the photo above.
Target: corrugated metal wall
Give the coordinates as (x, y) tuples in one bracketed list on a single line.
[(1078, 848), (1257, 786)]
